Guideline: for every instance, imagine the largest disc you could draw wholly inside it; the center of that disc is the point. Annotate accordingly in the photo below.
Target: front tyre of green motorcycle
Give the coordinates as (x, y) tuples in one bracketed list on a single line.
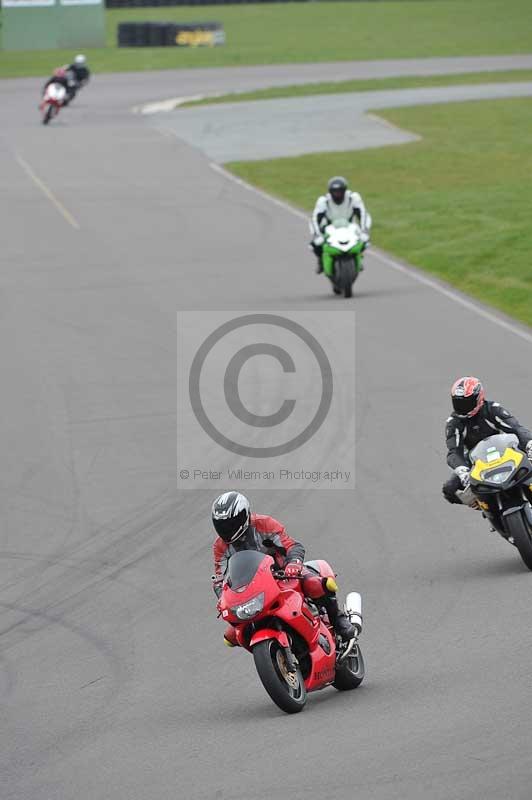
[(286, 688), (520, 531), (348, 289), (347, 271)]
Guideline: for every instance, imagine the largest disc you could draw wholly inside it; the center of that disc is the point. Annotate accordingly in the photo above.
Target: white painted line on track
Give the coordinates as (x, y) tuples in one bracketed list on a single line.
[(163, 106), (390, 262), (457, 298), (387, 124), (47, 192), (286, 206)]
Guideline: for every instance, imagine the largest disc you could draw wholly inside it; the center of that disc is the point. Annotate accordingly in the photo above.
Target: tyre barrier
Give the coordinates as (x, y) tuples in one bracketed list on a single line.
[(170, 34)]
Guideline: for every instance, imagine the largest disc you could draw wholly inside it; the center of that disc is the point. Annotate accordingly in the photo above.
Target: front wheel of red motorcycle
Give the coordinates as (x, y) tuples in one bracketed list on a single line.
[(286, 688), (48, 115)]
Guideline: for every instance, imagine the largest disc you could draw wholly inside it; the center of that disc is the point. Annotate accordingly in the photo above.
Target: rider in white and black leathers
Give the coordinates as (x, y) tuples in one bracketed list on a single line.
[(338, 203), (474, 418)]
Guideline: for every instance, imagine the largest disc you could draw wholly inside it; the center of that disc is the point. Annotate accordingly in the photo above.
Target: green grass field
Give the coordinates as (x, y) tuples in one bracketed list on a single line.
[(457, 203), (327, 31), (336, 87)]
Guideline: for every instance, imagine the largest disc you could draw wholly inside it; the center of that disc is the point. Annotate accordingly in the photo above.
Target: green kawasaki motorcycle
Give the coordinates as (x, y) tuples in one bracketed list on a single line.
[(343, 245)]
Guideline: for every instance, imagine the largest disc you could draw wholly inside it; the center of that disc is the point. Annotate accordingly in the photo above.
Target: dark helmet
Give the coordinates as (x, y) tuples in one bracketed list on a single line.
[(337, 188), (230, 516), (467, 395)]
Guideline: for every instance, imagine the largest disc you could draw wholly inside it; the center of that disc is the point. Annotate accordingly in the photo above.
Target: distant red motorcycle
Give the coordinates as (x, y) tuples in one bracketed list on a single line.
[(294, 646), (54, 97)]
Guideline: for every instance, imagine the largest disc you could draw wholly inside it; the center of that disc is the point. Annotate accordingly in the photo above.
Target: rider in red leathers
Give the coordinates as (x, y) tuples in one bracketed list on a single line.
[(239, 529), (59, 77)]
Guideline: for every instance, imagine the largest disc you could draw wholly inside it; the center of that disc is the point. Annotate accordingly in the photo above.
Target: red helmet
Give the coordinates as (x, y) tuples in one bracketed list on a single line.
[(468, 396), (59, 72)]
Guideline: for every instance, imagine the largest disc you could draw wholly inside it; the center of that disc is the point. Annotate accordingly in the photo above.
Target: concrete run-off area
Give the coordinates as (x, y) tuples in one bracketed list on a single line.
[(294, 126)]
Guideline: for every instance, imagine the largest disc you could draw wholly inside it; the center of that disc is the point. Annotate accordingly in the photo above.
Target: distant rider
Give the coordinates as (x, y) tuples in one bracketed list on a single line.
[(338, 203), (474, 418), (80, 69), (58, 76), (239, 529)]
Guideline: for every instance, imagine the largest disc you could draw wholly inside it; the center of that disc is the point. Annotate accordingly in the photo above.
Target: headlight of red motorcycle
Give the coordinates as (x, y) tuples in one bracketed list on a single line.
[(250, 608)]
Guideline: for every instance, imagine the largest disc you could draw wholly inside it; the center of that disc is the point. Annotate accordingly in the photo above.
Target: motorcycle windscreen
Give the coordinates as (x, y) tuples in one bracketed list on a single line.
[(493, 448), (242, 567)]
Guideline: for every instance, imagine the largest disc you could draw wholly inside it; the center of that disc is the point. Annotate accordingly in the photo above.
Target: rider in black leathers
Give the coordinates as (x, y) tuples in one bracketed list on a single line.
[(80, 69), (474, 418)]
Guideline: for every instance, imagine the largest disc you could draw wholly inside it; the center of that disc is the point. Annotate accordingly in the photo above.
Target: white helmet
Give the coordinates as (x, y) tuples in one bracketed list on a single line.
[(80, 60)]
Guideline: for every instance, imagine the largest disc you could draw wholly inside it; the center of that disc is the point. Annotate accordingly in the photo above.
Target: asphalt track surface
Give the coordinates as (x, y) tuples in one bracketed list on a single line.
[(113, 679)]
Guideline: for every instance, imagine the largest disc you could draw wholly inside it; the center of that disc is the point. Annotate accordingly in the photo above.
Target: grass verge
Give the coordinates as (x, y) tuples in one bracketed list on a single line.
[(326, 31), (337, 87), (456, 204)]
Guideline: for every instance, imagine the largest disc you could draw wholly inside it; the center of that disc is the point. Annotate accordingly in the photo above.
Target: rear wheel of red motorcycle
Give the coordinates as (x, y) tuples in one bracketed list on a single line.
[(286, 689), (350, 672)]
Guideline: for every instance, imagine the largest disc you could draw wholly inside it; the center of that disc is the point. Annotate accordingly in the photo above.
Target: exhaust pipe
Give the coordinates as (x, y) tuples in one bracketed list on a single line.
[(353, 609)]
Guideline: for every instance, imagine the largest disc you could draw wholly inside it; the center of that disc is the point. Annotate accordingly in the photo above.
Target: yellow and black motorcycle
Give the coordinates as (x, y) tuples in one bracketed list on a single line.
[(501, 483)]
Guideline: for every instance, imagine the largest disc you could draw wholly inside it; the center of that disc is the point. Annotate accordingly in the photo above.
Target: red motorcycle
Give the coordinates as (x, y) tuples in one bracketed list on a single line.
[(54, 97), (294, 646)]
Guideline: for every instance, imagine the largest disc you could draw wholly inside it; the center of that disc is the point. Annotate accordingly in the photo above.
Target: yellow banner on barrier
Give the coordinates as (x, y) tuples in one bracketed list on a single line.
[(195, 38)]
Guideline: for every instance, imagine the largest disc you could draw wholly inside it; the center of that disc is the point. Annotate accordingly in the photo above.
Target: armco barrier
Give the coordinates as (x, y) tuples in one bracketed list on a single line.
[(170, 34)]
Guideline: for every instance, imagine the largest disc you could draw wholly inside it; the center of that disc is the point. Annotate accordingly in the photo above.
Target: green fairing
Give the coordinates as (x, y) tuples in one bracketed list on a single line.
[(330, 253)]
